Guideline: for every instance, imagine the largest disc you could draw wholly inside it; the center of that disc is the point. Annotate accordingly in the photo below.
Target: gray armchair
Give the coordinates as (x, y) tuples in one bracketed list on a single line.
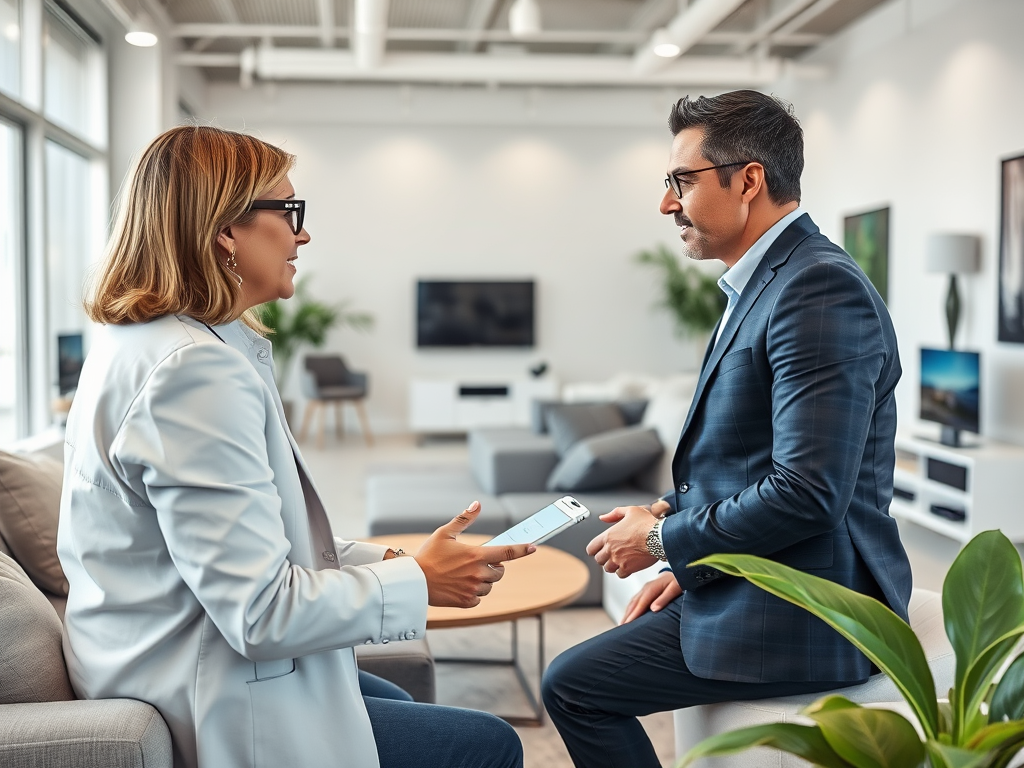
[(326, 379)]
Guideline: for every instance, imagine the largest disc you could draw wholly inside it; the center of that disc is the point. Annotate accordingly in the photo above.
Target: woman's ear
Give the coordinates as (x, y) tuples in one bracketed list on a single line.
[(225, 240)]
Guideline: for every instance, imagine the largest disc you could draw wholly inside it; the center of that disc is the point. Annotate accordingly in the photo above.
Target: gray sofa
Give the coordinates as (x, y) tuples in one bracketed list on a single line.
[(41, 723), (508, 472)]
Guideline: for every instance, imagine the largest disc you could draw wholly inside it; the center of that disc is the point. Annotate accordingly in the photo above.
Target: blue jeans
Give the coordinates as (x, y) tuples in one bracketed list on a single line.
[(413, 735)]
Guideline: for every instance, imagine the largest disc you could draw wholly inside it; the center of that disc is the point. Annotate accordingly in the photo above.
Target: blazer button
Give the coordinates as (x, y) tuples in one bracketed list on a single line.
[(262, 354), (684, 487), (385, 641), (412, 633), (368, 642), (329, 556)]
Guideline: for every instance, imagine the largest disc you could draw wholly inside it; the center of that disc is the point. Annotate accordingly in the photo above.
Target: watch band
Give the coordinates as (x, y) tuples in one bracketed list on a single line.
[(654, 545)]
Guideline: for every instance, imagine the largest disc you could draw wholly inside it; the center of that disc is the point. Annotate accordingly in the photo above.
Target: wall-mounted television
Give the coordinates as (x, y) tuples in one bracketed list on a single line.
[(474, 313), (70, 357), (950, 386)]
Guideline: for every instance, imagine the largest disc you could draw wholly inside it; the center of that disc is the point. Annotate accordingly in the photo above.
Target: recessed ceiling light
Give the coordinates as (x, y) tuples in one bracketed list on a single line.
[(524, 18), (663, 45), (140, 33)]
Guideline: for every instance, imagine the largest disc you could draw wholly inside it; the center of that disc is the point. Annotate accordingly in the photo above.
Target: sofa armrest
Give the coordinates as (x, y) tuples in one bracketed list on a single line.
[(511, 460), (87, 734)]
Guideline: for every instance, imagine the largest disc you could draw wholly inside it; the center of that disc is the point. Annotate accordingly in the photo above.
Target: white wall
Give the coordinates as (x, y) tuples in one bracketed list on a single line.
[(561, 186), (924, 100)]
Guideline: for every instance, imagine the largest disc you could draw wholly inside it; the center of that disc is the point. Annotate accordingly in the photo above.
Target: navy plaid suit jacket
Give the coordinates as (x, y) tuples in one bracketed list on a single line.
[(787, 453)]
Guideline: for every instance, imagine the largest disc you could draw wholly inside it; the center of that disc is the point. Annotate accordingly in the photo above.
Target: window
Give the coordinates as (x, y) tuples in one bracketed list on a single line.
[(10, 46), (66, 71), (11, 370)]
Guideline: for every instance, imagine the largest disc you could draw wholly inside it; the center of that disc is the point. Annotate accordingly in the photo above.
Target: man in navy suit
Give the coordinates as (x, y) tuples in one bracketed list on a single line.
[(787, 453)]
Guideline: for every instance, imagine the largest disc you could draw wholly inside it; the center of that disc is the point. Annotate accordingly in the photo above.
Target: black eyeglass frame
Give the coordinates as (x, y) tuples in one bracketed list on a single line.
[(299, 206), (672, 182)]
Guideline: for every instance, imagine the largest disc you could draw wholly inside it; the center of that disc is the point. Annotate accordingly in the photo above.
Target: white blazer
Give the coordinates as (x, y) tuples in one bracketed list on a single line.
[(203, 575)]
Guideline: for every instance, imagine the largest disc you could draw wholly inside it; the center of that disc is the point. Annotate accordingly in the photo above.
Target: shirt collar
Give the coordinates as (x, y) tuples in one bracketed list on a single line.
[(736, 278)]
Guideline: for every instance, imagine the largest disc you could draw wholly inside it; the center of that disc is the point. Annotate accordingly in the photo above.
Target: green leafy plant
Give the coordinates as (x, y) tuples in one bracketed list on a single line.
[(693, 297), (304, 320), (982, 723)]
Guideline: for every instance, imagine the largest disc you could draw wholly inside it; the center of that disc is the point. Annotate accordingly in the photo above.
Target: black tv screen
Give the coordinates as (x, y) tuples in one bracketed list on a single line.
[(479, 313), (70, 358), (950, 383)]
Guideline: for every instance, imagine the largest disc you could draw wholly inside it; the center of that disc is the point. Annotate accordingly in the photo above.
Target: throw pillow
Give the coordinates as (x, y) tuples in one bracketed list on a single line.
[(29, 508), (31, 657), (569, 423), (606, 460)]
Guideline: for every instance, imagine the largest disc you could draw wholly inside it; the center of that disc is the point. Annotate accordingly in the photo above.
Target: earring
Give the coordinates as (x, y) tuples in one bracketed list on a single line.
[(232, 265)]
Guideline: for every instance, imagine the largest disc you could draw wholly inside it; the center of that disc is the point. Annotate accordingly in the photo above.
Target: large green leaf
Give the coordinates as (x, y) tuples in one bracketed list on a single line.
[(804, 741), (996, 736), (1008, 697), (878, 632), (947, 756), (982, 601), (978, 680), (867, 738)]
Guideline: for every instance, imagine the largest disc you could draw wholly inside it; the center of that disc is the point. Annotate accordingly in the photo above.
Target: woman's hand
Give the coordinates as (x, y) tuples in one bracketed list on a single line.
[(654, 595), (458, 575)]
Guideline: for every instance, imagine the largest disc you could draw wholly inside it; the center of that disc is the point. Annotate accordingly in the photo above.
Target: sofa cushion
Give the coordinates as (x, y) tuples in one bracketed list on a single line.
[(606, 459), (510, 460), (31, 657), (419, 499), (569, 423), (29, 507)]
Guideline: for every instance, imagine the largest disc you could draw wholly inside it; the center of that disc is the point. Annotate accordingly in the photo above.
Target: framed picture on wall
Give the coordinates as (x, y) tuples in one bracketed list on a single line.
[(866, 238), (1011, 252)]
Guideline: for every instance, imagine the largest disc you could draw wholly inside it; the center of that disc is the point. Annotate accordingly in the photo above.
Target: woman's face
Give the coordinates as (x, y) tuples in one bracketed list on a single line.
[(265, 251)]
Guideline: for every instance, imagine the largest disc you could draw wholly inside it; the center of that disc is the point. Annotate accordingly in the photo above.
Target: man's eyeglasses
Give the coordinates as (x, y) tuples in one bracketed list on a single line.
[(675, 181), (296, 210)]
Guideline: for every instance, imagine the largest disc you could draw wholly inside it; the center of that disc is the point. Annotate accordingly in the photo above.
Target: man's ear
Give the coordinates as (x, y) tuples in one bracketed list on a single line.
[(226, 240), (752, 178)]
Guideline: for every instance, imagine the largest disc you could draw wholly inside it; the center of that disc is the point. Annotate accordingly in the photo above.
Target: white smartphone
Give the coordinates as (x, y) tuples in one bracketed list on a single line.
[(541, 526)]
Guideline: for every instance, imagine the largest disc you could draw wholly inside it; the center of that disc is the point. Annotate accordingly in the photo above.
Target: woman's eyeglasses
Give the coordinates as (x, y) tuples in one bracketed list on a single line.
[(296, 210)]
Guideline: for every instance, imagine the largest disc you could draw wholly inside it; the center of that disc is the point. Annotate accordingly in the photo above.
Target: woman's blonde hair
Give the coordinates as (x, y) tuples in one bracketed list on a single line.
[(188, 185)]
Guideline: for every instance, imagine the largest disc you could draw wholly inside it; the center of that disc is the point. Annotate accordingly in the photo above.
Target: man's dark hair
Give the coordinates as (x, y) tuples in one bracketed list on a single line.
[(747, 125)]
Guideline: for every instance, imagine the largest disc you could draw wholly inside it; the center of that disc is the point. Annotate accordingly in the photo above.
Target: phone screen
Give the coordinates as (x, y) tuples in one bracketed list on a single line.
[(549, 519)]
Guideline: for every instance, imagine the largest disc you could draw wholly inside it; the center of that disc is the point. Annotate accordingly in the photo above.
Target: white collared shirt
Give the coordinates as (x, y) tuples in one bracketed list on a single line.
[(735, 280)]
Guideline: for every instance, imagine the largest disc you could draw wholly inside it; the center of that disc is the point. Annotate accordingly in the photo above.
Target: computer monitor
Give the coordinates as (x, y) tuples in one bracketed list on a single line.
[(70, 357), (950, 386)]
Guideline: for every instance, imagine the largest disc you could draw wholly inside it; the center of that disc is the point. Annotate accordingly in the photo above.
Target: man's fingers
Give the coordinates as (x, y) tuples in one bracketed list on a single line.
[(463, 520), (595, 545), (507, 552), (614, 516)]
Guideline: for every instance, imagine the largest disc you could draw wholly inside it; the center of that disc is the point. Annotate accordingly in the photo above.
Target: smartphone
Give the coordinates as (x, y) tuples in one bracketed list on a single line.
[(541, 526)]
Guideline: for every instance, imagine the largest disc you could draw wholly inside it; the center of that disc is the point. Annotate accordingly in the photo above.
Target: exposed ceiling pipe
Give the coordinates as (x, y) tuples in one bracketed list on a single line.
[(764, 31), (369, 33), (480, 16), (332, 64), (687, 28), (325, 10)]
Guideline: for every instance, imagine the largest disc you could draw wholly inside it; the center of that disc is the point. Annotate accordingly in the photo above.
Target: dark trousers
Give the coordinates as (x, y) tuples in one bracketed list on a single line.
[(413, 735), (595, 691)]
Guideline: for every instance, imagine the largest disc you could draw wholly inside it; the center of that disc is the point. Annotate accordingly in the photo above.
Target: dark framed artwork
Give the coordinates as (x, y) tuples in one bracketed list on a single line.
[(1011, 252), (866, 238)]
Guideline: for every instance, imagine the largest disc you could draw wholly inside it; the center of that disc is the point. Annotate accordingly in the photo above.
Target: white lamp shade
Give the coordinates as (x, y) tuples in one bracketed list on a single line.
[(524, 18), (141, 32), (952, 253)]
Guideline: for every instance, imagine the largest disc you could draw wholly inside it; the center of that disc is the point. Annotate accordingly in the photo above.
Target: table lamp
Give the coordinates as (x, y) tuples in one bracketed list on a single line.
[(953, 254)]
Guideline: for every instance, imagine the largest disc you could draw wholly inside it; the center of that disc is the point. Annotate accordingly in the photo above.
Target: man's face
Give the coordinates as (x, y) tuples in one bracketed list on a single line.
[(710, 218)]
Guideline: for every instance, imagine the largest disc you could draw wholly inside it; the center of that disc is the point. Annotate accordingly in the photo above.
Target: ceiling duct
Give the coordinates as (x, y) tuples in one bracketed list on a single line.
[(687, 28), (369, 33)]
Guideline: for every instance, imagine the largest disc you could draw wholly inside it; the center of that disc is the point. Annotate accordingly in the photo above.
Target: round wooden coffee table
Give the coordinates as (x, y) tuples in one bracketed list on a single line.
[(531, 586)]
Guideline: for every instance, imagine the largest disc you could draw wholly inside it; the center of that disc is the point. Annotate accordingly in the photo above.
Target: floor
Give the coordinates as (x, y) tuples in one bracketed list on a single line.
[(339, 471)]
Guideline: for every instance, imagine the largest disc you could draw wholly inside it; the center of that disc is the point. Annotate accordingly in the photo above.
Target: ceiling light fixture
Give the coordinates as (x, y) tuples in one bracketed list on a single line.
[(524, 18), (663, 45), (140, 32)]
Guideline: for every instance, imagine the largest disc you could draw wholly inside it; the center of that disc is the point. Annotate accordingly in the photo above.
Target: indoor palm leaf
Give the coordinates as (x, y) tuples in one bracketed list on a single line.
[(981, 726), (692, 296)]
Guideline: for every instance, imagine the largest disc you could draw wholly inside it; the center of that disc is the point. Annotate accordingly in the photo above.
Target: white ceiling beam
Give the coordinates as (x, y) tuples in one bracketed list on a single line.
[(226, 10), (685, 30), (802, 19), (764, 31), (369, 38), (478, 19), (320, 64), (325, 12)]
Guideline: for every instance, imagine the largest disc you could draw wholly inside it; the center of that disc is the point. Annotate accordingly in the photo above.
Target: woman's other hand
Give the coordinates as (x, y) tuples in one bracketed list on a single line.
[(458, 575)]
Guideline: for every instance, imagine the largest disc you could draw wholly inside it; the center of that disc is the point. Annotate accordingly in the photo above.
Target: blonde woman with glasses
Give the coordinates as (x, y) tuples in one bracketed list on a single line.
[(204, 577)]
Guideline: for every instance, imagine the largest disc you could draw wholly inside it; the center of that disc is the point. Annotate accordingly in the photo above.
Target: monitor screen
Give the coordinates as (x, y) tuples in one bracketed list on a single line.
[(70, 357), (474, 313), (950, 383)]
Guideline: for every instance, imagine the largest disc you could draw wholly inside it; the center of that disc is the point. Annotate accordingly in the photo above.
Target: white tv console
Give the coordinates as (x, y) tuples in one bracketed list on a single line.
[(959, 492), (458, 405)]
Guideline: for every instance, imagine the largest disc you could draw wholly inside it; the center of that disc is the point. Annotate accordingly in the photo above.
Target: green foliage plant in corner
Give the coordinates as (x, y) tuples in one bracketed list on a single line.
[(692, 296), (304, 320), (982, 723)]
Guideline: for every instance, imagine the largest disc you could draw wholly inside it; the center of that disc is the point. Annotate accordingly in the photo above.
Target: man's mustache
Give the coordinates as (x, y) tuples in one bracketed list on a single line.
[(682, 221)]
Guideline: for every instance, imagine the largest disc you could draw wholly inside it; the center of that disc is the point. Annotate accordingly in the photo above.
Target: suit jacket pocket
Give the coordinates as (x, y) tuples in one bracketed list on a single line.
[(268, 670), (808, 555), (735, 359)]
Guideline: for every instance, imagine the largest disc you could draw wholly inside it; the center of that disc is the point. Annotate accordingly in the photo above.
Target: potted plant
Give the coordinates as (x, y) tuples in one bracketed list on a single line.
[(692, 296), (304, 320), (982, 723)]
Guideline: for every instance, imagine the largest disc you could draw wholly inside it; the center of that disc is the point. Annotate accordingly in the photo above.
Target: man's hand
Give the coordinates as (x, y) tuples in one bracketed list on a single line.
[(654, 595), (458, 575), (622, 549)]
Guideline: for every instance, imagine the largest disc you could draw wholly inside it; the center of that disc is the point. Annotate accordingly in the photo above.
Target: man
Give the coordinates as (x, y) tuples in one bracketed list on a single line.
[(787, 453)]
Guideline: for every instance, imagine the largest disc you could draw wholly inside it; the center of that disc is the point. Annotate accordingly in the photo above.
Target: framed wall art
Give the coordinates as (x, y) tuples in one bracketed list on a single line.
[(1011, 252), (866, 238)]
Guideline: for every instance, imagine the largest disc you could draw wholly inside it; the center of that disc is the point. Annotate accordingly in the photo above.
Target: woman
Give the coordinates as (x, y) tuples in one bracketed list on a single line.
[(203, 575)]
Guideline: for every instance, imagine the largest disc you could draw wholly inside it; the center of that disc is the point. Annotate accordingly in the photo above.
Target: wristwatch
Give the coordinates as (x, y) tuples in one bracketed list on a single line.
[(654, 546)]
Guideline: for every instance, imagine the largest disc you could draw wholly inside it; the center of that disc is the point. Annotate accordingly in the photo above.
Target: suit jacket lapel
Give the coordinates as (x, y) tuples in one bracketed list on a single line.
[(776, 256)]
